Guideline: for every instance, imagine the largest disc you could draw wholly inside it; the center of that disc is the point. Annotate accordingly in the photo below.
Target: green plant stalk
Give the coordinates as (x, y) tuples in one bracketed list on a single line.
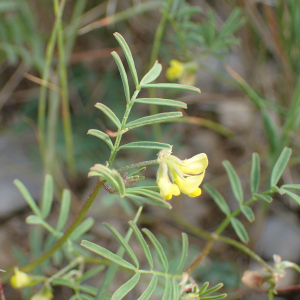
[(110, 274), (46, 75), (64, 93), (138, 165), (208, 236), (153, 57)]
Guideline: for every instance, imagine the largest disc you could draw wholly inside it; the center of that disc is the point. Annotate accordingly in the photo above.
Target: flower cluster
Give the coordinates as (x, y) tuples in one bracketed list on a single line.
[(175, 175)]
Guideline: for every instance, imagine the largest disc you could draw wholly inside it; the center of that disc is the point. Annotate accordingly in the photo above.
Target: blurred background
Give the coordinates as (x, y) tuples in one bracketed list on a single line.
[(242, 54)]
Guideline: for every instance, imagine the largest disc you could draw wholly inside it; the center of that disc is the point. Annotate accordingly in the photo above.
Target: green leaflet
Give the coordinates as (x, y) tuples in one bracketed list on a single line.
[(26, 195), (85, 226), (146, 145), (239, 230), (107, 254), (103, 136), (175, 289), (168, 290), (139, 200), (142, 242), (248, 213), (173, 86), (123, 76), (160, 101), (235, 182), (109, 113), (64, 210), (212, 290), (255, 173), (266, 198), (157, 245), (128, 56), (47, 199), (218, 198), (292, 195), (152, 74), (33, 219), (122, 241), (291, 186), (184, 252), (158, 118), (90, 273), (280, 165), (122, 291), (150, 289)]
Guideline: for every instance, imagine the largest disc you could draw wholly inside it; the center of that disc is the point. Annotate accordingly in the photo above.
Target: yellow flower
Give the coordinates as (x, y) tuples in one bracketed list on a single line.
[(175, 70), (20, 279), (195, 165), (190, 184)]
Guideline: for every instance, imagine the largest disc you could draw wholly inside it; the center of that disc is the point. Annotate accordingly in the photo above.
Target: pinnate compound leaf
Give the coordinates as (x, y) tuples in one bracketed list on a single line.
[(107, 254), (146, 145), (150, 289), (109, 113), (266, 198), (239, 230), (122, 242), (280, 165), (168, 290), (175, 289), (152, 74), (128, 56), (26, 195), (255, 173), (158, 118), (85, 226), (142, 242), (172, 86), (160, 101), (157, 245), (248, 213), (103, 136), (47, 196), (292, 195), (123, 75), (235, 182), (64, 209), (122, 291), (218, 198), (184, 252)]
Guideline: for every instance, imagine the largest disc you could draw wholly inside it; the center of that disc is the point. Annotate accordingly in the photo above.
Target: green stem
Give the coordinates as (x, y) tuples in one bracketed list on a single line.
[(70, 266), (110, 274), (139, 165)]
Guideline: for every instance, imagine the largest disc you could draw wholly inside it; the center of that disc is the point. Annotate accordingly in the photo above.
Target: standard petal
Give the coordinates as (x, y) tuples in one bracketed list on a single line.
[(195, 165)]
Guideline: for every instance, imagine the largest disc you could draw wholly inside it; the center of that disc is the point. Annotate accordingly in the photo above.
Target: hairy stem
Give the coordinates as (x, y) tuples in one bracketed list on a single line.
[(138, 165)]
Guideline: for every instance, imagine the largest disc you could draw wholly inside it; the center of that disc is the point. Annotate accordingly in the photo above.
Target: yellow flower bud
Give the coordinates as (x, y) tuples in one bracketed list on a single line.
[(175, 70), (20, 279), (195, 165)]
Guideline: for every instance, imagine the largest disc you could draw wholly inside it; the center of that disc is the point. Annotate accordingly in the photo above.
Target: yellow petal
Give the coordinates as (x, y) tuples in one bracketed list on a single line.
[(197, 192), (175, 70), (20, 279), (167, 188), (189, 184), (195, 165)]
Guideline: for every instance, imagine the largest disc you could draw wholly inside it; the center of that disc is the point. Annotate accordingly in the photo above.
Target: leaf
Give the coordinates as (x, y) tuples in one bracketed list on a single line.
[(235, 182), (291, 186), (128, 56), (123, 75), (150, 289), (107, 254), (184, 252), (64, 209), (142, 242), (264, 197), (212, 290), (122, 241), (175, 288), (276, 189), (85, 226), (248, 213), (103, 136), (120, 181), (26, 195), (168, 290), (146, 145), (160, 101), (203, 289), (157, 245), (158, 118), (64, 282), (173, 86), (35, 220), (90, 273), (239, 230), (221, 296), (280, 165), (255, 173), (292, 195), (122, 291), (152, 74), (218, 198), (109, 113), (47, 196)]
